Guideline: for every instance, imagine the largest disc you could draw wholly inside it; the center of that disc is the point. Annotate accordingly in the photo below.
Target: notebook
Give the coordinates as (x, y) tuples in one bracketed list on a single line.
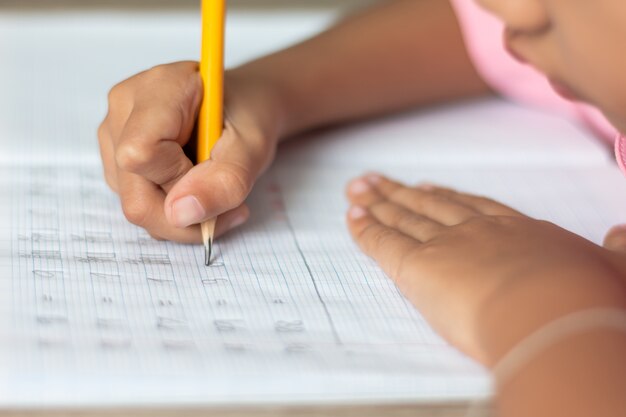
[(95, 313)]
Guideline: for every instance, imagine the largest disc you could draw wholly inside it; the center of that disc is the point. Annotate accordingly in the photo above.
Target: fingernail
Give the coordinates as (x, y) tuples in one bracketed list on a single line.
[(373, 178), (357, 212), (359, 187), (187, 211)]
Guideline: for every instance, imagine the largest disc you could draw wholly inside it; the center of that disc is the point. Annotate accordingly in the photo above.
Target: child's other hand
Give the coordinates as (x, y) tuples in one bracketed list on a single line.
[(484, 275), (150, 120)]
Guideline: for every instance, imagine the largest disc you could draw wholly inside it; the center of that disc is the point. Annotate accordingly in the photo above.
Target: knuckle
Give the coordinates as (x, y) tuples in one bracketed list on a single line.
[(117, 93), (403, 220), (158, 71), (376, 237), (131, 156), (396, 218), (136, 211)]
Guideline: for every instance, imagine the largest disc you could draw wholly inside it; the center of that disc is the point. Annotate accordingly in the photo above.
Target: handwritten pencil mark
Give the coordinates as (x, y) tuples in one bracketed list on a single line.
[(166, 303), (99, 257), (155, 259), (294, 326), (160, 280), (102, 275), (214, 281), (93, 237), (169, 323), (50, 255), (39, 273), (227, 326)]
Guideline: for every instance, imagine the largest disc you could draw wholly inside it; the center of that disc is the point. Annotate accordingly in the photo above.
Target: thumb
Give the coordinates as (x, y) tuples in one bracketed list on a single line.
[(207, 190), (219, 184), (615, 239)]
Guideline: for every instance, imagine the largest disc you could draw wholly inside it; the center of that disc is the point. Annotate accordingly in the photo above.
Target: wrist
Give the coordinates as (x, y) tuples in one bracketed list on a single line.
[(265, 93), (580, 374), (513, 313)]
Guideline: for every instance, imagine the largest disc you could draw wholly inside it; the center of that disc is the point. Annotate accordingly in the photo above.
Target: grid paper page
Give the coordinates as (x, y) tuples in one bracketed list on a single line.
[(97, 312)]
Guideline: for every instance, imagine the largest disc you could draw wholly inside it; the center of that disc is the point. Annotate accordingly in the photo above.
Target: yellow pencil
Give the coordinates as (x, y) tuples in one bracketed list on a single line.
[(210, 119)]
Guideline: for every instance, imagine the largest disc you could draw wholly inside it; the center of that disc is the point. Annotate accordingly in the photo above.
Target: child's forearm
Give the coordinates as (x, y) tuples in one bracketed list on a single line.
[(583, 375), (531, 302), (397, 54), (573, 373)]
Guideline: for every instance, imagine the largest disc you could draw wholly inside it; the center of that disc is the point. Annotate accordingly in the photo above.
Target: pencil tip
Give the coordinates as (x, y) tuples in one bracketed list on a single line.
[(208, 248)]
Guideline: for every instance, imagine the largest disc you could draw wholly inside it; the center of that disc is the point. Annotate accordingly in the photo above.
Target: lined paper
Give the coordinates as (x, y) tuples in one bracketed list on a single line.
[(290, 309)]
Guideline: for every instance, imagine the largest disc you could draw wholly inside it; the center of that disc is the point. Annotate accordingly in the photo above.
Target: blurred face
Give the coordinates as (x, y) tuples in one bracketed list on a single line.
[(579, 44)]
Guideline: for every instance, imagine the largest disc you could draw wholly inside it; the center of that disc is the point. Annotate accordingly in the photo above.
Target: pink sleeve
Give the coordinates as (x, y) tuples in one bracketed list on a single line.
[(483, 37)]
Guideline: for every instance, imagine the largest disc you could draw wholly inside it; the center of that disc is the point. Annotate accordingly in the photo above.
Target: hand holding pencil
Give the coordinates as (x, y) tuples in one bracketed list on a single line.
[(143, 139)]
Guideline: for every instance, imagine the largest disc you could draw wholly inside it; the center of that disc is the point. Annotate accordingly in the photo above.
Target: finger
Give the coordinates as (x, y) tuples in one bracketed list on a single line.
[(481, 204), (615, 239), (107, 155), (391, 214), (402, 219), (150, 144), (142, 203), (231, 220), (425, 203), (165, 102), (361, 193), (387, 246), (219, 184)]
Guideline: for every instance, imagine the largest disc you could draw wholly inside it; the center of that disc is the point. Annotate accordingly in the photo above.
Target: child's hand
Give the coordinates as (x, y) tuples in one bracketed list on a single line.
[(484, 275), (150, 120)]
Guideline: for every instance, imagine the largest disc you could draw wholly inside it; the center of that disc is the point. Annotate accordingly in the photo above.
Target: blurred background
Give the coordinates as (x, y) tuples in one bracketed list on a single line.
[(59, 58)]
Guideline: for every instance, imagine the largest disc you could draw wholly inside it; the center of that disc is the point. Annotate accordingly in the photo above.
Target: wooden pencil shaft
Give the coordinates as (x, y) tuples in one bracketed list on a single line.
[(211, 119)]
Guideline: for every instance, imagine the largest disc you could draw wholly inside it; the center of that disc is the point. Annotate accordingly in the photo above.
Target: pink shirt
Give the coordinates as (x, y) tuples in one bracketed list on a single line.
[(483, 37)]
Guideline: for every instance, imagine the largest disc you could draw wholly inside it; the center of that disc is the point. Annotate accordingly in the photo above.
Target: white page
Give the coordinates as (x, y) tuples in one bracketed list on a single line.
[(290, 312), (478, 133), (96, 313)]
